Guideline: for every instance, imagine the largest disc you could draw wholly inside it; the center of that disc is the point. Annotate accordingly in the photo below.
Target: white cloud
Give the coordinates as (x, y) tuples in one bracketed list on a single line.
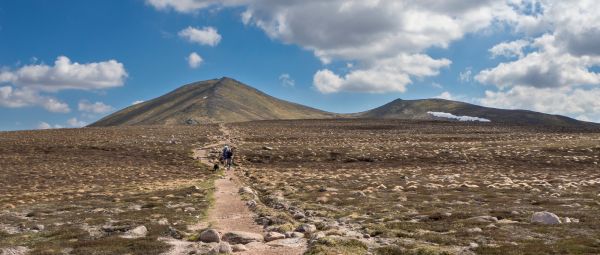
[(286, 80), (366, 33), (67, 75), (392, 74), (548, 66), (74, 122), (565, 101), (509, 49), (137, 102), (97, 107), (445, 95), (465, 76), (24, 97), (44, 125), (459, 118), (205, 36), (188, 6), (28, 85), (194, 60)]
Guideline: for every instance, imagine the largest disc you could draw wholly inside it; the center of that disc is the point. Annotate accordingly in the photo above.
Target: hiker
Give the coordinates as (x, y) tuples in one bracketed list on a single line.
[(227, 157)]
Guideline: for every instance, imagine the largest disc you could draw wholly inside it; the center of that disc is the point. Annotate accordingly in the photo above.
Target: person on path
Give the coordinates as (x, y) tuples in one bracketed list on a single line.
[(227, 156)]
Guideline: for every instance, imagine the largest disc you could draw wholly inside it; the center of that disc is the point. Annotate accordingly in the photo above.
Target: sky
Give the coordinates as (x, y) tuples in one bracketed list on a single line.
[(68, 63)]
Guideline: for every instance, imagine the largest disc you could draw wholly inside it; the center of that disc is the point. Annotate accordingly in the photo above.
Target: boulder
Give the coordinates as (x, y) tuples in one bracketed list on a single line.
[(271, 236), (138, 232), (547, 218), (307, 228), (210, 236), (238, 247), (221, 248), (236, 237)]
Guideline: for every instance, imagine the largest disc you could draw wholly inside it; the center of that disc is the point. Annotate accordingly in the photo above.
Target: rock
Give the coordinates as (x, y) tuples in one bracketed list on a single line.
[(307, 228), (238, 247), (246, 190), (547, 218), (289, 242), (482, 219), (267, 148), (210, 236), (316, 236), (173, 232), (18, 250), (474, 230), (138, 232), (236, 237), (223, 248), (473, 245), (299, 215), (271, 236), (38, 227)]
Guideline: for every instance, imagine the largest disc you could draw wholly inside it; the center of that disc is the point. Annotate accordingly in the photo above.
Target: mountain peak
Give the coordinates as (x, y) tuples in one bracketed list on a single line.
[(217, 100)]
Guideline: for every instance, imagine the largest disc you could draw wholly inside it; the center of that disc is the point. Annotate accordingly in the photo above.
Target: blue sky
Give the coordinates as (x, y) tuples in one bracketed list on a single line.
[(362, 54)]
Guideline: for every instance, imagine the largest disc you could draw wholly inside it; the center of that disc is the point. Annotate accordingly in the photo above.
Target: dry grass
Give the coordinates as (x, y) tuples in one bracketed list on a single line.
[(87, 187), (423, 181)]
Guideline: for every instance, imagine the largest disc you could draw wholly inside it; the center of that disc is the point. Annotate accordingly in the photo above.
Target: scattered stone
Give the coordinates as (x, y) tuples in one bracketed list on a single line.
[(236, 237), (474, 230), (210, 236), (299, 215), (547, 218), (238, 247), (473, 245), (271, 236), (173, 232), (222, 248), (138, 232), (307, 228), (482, 219), (38, 227), (267, 148), (18, 250), (289, 242)]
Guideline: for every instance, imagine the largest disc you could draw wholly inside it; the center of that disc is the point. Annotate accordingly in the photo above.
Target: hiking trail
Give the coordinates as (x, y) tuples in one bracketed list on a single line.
[(229, 212)]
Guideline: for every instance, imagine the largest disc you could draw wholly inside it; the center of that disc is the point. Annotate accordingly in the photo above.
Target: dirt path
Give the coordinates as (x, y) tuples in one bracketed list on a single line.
[(230, 212)]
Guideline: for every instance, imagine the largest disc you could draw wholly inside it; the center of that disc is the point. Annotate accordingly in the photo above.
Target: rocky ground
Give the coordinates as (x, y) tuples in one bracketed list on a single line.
[(397, 187), (101, 191), (339, 186)]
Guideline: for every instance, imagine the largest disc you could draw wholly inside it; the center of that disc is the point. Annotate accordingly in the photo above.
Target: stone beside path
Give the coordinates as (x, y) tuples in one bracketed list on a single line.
[(232, 224)]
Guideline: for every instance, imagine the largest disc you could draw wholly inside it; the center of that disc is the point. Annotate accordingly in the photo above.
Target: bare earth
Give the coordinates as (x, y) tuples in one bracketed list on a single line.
[(229, 212)]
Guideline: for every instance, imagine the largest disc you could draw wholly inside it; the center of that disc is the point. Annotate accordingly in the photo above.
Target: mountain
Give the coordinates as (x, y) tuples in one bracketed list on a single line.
[(217, 100), (420, 109)]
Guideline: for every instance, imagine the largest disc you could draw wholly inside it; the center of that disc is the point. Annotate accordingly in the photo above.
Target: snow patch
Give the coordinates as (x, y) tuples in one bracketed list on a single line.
[(459, 118)]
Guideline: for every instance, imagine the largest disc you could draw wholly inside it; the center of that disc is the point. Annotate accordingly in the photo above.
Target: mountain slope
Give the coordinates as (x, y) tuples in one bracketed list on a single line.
[(418, 109), (218, 100)]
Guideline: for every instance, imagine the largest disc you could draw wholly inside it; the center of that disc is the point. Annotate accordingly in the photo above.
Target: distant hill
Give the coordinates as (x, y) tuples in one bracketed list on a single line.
[(425, 109), (227, 100), (218, 100)]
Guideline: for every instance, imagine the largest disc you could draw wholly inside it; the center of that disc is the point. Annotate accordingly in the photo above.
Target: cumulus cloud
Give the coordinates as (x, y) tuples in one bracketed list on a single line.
[(97, 107), (67, 75), (29, 85), (459, 118), (194, 60), (566, 101), (204, 36), (465, 76), (445, 95), (23, 97), (366, 33), (74, 122), (286, 80), (45, 125), (509, 49), (392, 74)]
